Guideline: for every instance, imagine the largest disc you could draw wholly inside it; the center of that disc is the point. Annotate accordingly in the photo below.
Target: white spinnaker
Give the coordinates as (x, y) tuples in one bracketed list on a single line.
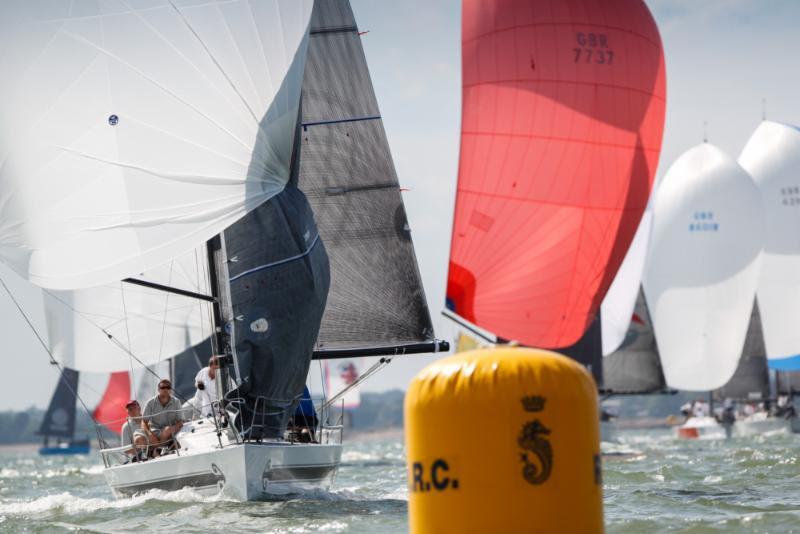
[(772, 157), (131, 131), (618, 305), (702, 267)]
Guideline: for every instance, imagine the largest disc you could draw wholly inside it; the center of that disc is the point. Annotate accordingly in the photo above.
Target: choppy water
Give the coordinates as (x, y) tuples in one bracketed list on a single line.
[(655, 484)]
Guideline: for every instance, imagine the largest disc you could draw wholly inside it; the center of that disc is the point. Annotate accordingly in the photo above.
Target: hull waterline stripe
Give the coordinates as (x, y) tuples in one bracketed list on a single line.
[(279, 262)]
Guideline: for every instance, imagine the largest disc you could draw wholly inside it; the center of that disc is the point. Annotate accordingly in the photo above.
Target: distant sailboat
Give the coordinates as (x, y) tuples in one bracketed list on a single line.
[(562, 120), (59, 419), (702, 267), (772, 157)]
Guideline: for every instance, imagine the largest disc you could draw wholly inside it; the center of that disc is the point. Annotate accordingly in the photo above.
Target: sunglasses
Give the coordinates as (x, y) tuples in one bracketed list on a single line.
[(164, 387)]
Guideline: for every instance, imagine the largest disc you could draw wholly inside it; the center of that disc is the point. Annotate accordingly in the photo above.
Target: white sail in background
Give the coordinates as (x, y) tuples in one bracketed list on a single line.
[(131, 132), (772, 157), (618, 304), (119, 325), (703, 266)]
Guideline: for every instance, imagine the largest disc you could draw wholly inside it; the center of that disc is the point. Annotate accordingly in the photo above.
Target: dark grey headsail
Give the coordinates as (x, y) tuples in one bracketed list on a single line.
[(635, 366), (59, 420), (376, 303), (279, 277), (751, 379)]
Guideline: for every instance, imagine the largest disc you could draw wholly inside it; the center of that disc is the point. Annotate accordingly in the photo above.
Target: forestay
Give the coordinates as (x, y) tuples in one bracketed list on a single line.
[(702, 267), (131, 132), (772, 157), (562, 120)]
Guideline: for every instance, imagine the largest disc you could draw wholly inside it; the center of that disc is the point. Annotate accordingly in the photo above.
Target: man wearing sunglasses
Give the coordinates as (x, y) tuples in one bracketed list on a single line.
[(163, 415)]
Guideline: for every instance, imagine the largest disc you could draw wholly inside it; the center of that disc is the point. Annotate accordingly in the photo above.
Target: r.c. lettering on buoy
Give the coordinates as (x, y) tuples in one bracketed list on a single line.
[(433, 476)]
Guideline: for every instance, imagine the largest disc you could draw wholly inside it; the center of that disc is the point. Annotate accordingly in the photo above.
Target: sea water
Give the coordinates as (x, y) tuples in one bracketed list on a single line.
[(652, 483)]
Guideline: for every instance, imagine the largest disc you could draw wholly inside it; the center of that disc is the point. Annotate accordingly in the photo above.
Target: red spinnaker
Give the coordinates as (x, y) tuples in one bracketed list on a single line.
[(111, 410), (562, 120)]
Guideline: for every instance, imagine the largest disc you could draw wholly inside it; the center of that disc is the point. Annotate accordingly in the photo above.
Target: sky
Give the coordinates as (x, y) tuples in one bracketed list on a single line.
[(724, 58)]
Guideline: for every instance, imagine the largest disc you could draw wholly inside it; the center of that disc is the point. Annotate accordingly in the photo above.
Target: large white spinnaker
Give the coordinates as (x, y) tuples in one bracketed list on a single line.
[(772, 157), (132, 132), (618, 304), (703, 266)]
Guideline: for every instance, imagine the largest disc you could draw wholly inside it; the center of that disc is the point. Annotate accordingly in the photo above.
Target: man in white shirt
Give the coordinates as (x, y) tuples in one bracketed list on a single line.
[(206, 383)]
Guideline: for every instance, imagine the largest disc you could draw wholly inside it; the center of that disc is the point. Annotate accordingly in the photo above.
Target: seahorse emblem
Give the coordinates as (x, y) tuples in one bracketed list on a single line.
[(537, 454)]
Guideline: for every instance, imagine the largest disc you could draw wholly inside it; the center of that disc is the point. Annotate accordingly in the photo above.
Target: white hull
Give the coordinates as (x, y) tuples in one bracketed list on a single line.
[(700, 428), (242, 471), (759, 426)]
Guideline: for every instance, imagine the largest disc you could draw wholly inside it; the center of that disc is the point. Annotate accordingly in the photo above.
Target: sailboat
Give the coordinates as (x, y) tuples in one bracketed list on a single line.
[(562, 121), (237, 163), (59, 419), (701, 273)]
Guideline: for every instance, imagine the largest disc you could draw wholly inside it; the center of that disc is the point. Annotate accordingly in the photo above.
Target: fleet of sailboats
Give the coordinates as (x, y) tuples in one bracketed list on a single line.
[(238, 197)]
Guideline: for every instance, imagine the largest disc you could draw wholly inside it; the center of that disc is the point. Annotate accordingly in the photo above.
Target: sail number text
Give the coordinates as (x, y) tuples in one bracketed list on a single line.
[(593, 48), (791, 196)]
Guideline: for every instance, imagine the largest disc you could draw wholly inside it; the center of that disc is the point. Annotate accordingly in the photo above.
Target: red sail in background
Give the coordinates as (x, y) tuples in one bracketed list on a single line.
[(562, 120), (111, 410)]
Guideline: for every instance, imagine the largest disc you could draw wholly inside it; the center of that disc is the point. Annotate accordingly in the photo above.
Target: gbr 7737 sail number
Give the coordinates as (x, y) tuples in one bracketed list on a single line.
[(593, 48)]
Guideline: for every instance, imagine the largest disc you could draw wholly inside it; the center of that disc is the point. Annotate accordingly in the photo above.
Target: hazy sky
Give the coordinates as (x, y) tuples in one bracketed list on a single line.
[(723, 57)]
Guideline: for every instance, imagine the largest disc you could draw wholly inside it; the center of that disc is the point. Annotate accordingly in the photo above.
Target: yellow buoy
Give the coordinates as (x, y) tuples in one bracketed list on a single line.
[(503, 440)]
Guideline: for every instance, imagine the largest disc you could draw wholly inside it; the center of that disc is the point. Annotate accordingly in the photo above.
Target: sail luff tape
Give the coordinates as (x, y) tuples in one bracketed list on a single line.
[(503, 440)]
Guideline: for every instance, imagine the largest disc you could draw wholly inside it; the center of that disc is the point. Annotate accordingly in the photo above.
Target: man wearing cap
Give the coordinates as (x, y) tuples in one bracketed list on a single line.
[(163, 415), (133, 432)]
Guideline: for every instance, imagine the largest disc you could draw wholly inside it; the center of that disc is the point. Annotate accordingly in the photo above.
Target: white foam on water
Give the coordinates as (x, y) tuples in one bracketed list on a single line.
[(6, 472), (358, 456), (71, 504)]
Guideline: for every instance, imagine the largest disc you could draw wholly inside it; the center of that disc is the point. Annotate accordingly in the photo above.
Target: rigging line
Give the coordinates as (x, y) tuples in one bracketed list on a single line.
[(166, 311), (380, 364), (110, 337), (466, 324), (127, 329), (47, 349), (217, 64)]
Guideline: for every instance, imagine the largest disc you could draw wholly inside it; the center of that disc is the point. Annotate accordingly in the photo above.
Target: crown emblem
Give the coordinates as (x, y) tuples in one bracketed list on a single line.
[(533, 403)]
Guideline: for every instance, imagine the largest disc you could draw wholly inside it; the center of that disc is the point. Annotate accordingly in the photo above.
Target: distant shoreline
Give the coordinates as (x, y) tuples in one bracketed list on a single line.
[(20, 447)]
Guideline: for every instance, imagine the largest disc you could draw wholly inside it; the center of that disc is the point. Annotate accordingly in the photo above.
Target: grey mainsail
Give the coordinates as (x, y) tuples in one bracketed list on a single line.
[(635, 366), (751, 379), (346, 171), (59, 420)]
